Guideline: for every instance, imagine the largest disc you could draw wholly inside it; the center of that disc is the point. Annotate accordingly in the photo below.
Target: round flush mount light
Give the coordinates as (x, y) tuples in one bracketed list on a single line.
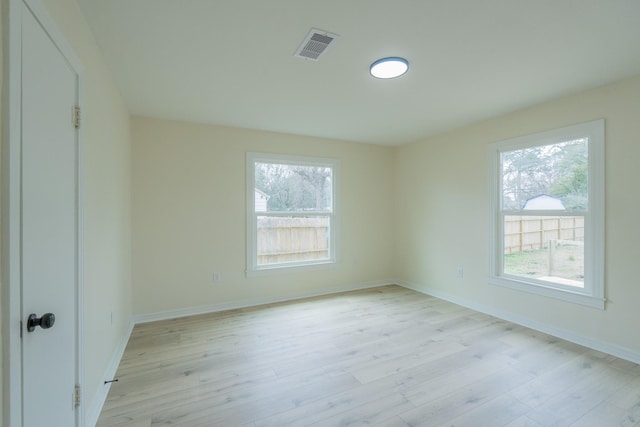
[(389, 68)]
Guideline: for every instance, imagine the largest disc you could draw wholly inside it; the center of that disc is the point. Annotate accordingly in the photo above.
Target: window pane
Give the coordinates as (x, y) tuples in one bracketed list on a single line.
[(284, 187), (546, 177), (549, 248), (292, 239)]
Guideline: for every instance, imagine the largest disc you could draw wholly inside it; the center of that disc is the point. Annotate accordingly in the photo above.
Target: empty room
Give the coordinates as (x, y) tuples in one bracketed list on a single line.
[(340, 213)]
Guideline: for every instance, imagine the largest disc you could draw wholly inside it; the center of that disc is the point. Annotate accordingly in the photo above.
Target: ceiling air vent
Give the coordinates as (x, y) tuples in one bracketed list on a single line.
[(316, 42)]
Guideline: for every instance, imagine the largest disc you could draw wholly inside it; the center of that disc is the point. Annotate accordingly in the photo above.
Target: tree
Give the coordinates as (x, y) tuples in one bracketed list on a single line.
[(316, 179), (558, 170), (294, 188), (573, 187)]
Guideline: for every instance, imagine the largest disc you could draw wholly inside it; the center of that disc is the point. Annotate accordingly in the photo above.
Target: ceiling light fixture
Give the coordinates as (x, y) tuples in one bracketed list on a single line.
[(389, 68)]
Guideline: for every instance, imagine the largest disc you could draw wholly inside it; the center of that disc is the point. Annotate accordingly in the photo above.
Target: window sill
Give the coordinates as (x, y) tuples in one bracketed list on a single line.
[(291, 268), (550, 292)]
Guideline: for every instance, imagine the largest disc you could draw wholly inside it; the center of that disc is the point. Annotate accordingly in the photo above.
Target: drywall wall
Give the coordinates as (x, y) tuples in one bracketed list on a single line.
[(106, 204), (189, 204), (441, 199), (2, 83)]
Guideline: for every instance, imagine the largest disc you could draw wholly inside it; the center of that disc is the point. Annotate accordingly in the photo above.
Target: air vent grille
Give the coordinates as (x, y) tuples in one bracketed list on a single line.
[(315, 44)]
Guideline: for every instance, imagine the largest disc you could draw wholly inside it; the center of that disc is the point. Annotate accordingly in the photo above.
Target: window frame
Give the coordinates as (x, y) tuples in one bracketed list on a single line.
[(252, 266), (592, 294)]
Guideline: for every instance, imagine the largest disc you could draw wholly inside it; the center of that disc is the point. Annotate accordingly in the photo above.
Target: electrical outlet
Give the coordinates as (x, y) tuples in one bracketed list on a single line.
[(216, 277), (460, 272)]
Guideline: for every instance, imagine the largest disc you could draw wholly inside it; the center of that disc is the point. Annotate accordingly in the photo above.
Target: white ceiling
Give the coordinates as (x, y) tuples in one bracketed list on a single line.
[(230, 62)]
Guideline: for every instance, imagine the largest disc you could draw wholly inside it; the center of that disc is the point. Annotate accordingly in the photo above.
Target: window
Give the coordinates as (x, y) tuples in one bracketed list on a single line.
[(547, 213), (291, 212)]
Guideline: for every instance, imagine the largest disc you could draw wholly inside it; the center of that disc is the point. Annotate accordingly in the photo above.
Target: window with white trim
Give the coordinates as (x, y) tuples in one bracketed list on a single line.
[(291, 212), (547, 213)]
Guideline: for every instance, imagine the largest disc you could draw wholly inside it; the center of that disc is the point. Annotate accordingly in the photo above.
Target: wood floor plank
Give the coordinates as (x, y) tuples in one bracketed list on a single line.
[(606, 414), (369, 413), (465, 398), (550, 385), (497, 412), (405, 359), (524, 421), (461, 377), (586, 394), (386, 356), (392, 422)]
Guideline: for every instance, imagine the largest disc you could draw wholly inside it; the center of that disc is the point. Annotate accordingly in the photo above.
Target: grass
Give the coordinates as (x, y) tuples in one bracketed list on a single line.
[(568, 262)]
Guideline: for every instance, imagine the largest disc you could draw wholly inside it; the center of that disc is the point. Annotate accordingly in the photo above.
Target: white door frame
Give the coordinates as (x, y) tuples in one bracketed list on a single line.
[(11, 207)]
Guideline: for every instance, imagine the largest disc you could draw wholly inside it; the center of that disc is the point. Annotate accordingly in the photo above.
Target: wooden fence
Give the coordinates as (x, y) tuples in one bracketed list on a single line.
[(290, 239), (522, 233)]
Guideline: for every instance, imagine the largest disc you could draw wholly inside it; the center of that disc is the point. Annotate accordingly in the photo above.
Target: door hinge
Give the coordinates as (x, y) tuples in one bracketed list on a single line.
[(76, 117), (76, 396)]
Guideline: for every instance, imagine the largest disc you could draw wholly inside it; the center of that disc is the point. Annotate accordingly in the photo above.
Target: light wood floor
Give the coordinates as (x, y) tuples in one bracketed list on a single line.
[(386, 356)]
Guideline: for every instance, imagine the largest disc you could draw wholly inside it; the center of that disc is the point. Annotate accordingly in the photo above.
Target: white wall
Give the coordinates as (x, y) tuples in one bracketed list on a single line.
[(2, 12), (441, 196), (189, 209), (106, 206)]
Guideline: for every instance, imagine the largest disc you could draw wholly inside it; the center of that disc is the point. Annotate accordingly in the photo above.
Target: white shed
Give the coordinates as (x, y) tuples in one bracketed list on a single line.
[(543, 202), (261, 199)]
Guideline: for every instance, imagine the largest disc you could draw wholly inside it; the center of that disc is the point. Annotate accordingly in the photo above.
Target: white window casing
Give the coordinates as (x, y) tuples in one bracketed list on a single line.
[(257, 210), (592, 292)]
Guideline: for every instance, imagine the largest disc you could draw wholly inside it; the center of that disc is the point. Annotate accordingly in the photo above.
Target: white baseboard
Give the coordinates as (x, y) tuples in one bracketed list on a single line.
[(95, 408), (605, 347), (213, 308)]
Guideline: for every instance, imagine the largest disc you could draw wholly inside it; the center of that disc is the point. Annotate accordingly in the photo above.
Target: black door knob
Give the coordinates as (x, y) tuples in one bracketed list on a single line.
[(45, 322)]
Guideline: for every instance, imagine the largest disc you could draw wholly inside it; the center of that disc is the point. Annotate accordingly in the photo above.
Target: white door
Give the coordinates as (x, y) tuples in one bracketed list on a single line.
[(49, 229)]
